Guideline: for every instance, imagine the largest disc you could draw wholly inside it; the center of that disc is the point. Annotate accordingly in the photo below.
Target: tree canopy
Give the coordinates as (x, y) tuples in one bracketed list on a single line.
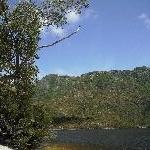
[(20, 25)]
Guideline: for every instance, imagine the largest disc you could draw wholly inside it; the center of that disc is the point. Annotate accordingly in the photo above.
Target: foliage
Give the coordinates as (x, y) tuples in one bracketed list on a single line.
[(110, 99), (23, 124)]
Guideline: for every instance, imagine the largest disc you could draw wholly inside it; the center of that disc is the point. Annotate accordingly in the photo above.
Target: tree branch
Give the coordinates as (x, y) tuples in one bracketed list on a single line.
[(60, 40)]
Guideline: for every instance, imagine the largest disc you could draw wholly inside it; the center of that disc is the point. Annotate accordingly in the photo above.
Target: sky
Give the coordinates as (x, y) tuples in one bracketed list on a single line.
[(115, 34)]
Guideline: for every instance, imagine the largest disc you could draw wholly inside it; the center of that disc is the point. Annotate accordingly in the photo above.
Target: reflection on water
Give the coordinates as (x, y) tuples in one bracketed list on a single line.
[(78, 147), (99, 139)]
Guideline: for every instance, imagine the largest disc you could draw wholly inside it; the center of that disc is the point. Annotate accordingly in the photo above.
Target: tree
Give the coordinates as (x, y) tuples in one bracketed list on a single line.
[(19, 37)]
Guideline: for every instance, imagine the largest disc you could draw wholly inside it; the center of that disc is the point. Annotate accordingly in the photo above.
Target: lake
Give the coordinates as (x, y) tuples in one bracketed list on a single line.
[(101, 139)]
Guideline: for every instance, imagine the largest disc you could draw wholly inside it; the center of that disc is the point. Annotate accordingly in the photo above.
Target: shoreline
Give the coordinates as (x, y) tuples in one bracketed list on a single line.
[(93, 128)]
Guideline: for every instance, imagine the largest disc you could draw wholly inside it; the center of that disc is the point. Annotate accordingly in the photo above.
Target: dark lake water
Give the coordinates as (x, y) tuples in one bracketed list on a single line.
[(101, 139)]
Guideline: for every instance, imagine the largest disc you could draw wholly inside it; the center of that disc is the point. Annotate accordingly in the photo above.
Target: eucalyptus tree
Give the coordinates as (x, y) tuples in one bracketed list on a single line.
[(20, 26)]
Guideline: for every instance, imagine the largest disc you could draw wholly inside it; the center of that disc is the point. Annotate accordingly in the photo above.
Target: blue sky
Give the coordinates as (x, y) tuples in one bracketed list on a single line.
[(115, 35)]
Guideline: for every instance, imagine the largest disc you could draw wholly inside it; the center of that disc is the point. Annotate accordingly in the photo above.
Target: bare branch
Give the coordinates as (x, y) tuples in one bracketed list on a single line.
[(60, 40)]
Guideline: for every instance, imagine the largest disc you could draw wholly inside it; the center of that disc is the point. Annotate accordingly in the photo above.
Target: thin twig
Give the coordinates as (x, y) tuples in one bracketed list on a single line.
[(58, 41)]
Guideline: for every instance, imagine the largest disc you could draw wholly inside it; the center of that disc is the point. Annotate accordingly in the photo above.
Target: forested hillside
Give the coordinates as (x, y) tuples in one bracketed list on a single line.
[(98, 99)]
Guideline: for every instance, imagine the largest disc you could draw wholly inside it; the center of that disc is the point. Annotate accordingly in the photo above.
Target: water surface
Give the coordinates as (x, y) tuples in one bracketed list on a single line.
[(100, 139)]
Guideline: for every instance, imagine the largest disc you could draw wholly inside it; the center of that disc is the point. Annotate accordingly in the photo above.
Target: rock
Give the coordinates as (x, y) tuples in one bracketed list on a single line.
[(4, 148)]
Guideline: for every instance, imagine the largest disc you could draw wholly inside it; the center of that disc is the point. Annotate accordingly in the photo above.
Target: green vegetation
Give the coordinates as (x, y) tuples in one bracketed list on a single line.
[(116, 98), (97, 99), (23, 124)]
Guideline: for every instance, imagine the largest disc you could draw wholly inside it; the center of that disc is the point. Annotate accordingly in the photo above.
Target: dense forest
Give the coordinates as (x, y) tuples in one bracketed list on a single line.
[(97, 99)]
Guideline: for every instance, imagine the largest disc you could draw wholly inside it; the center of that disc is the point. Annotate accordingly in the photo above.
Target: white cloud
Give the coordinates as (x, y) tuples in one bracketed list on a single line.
[(142, 16), (146, 19), (57, 31), (72, 16), (53, 30), (90, 13)]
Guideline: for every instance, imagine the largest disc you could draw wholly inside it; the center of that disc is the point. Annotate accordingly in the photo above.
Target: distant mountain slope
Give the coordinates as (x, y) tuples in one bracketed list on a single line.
[(113, 98)]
